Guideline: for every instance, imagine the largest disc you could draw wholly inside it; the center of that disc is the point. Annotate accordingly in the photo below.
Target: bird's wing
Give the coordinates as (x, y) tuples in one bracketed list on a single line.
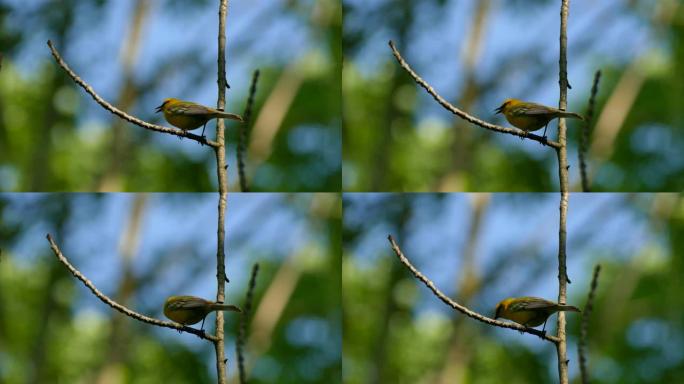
[(538, 303), (188, 304), (537, 109), (192, 109)]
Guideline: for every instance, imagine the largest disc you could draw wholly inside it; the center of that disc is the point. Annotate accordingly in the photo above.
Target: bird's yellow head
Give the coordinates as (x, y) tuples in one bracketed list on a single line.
[(506, 104), (166, 101), (502, 307)]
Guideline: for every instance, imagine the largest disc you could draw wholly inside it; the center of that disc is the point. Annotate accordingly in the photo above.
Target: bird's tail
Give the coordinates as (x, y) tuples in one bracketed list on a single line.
[(569, 308), (572, 115), (224, 307), (226, 115)]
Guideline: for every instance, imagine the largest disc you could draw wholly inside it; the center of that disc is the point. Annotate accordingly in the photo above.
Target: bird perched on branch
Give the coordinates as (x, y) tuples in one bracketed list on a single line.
[(529, 311), (187, 115), (188, 310), (531, 116)]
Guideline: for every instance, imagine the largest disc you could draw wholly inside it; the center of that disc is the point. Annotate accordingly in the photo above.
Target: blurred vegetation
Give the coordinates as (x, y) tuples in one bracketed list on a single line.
[(476, 54), (54, 137), (479, 249), (52, 329)]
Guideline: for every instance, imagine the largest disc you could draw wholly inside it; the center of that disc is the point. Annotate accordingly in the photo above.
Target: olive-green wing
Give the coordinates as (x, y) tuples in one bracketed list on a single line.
[(534, 109), (187, 304), (536, 303), (191, 109)]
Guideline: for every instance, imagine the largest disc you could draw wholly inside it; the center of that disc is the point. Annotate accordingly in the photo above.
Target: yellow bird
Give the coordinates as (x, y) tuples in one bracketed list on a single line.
[(531, 116), (187, 115), (189, 310), (529, 311)]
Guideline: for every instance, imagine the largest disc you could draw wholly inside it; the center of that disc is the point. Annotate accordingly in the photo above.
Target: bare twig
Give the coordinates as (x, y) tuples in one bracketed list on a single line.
[(120, 113), (563, 166), (126, 311), (222, 175), (586, 313), (586, 132), (472, 119), (243, 135), (244, 319), (460, 307)]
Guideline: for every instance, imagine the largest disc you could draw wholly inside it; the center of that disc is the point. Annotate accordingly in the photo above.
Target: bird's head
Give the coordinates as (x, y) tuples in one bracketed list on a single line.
[(501, 308), (505, 105), (161, 107)]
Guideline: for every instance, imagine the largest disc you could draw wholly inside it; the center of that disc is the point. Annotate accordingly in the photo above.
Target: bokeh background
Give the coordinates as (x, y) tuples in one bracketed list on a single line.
[(476, 53), (479, 249), (135, 53), (141, 248)]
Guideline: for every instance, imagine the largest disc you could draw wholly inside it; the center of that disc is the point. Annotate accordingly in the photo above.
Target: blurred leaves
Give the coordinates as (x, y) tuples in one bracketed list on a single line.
[(54, 138), (398, 139), (46, 312), (634, 331)]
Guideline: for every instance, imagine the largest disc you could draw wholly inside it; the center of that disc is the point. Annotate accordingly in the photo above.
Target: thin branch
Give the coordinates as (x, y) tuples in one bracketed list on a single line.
[(128, 312), (586, 132), (562, 153), (222, 175), (586, 313), (120, 113), (244, 319), (465, 116), (243, 135), (460, 307)]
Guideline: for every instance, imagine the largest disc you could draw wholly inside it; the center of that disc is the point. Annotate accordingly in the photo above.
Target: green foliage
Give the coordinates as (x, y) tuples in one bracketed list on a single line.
[(53, 137), (52, 329), (395, 330), (396, 141)]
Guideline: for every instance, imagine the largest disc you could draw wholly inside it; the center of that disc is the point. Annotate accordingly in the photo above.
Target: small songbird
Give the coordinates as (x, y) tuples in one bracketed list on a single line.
[(188, 310), (531, 116), (187, 115), (529, 311)]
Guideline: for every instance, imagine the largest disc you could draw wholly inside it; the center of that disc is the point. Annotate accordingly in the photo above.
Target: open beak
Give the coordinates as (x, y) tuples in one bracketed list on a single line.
[(159, 108), (500, 109)]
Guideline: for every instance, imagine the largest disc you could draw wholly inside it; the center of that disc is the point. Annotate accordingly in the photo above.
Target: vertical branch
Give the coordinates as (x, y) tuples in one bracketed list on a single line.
[(586, 131), (243, 135), (244, 319), (581, 346), (563, 178), (221, 170)]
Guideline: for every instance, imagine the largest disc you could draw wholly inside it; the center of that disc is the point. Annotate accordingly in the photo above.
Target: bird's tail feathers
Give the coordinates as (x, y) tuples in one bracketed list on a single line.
[(571, 115), (225, 307), (226, 115), (570, 308)]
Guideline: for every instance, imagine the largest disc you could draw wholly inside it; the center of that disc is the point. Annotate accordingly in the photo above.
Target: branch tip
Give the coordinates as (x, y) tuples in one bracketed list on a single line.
[(121, 114), (466, 311), (119, 307), (464, 115)]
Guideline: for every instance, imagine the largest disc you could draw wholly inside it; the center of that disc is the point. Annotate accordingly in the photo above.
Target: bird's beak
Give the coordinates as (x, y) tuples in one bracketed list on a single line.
[(159, 108), (500, 109)]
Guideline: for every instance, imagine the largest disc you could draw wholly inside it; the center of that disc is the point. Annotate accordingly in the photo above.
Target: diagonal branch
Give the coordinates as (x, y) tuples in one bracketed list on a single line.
[(243, 135), (586, 132), (461, 308), (120, 113), (582, 345), (128, 312), (465, 116), (244, 319)]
